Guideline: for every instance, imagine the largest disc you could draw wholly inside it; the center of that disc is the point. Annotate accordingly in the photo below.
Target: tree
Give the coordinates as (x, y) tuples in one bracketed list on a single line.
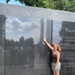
[(7, 43), (29, 42), (12, 43), (67, 5), (36, 3), (21, 41)]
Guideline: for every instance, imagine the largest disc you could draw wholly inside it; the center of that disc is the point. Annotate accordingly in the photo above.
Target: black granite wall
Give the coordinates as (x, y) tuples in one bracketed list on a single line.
[(22, 50)]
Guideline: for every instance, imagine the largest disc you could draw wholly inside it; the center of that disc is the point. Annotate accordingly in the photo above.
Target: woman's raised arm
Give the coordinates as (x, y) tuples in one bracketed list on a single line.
[(48, 44)]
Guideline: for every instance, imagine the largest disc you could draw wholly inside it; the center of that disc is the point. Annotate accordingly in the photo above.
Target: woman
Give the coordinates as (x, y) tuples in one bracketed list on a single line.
[(56, 65)]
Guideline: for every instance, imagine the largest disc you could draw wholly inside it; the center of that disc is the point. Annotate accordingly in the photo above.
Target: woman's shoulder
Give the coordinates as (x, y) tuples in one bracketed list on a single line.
[(58, 53)]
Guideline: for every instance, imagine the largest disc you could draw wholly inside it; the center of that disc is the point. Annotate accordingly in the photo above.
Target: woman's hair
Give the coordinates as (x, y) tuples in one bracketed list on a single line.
[(58, 47)]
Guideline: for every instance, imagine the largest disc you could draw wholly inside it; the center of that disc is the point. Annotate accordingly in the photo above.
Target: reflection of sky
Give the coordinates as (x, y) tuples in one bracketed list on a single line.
[(56, 29), (21, 26)]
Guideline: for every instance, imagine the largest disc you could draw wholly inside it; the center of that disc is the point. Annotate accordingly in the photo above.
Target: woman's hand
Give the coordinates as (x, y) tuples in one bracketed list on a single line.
[(44, 39), (56, 67)]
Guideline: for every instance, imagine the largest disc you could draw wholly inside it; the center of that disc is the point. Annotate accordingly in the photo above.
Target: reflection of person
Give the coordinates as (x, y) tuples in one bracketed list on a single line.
[(56, 65), (13, 51), (20, 56), (31, 57)]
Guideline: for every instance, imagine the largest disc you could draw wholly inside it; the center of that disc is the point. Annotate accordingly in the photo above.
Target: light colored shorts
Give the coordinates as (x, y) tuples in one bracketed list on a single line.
[(53, 67)]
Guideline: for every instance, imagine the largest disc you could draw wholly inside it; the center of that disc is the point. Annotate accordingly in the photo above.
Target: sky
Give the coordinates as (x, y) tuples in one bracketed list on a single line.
[(29, 27), (11, 2), (21, 26)]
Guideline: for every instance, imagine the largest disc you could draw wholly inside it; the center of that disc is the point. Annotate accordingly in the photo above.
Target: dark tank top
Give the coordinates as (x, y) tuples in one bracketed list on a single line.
[(54, 58)]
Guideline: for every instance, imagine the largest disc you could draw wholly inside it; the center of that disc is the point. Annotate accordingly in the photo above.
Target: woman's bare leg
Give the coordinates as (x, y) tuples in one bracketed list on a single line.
[(57, 73), (54, 73)]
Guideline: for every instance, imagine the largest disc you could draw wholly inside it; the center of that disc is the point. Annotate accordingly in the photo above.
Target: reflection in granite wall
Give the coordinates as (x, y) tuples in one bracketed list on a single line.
[(26, 53), (49, 31), (2, 35)]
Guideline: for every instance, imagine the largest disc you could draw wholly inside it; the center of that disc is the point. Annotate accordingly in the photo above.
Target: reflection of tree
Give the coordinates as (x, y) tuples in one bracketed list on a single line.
[(21, 41), (21, 52), (29, 41), (9, 43)]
